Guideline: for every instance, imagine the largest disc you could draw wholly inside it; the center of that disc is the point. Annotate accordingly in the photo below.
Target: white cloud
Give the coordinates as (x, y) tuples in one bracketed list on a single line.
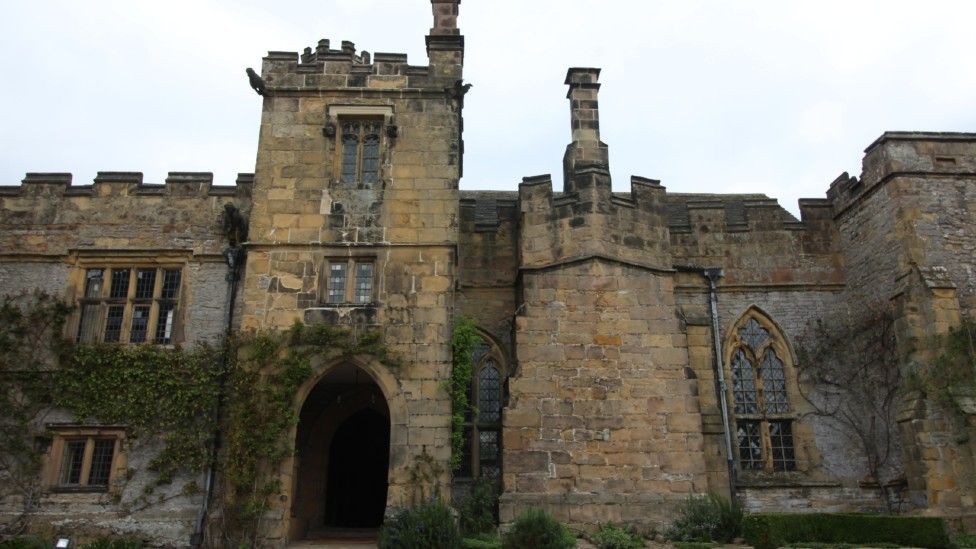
[(709, 96)]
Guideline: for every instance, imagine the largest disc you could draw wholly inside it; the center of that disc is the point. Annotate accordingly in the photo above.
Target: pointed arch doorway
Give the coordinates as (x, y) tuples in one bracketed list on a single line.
[(342, 449)]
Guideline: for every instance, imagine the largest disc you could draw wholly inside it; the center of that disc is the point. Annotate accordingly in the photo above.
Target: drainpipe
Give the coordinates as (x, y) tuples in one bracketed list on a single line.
[(234, 257), (712, 274)]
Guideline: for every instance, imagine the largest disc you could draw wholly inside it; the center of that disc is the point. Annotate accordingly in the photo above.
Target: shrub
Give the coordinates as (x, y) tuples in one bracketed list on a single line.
[(482, 541), (25, 542), (114, 543), (428, 526), (966, 540), (537, 529), (614, 537), (478, 510), (707, 518), (770, 530)]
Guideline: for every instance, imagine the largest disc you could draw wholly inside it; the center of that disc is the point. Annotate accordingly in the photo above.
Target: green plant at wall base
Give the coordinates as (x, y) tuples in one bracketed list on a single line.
[(615, 537), (706, 518), (537, 529), (478, 510), (427, 526), (771, 530), (463, 341)]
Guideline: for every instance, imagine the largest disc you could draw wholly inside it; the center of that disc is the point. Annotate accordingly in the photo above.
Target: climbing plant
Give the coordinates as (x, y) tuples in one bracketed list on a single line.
[(952, 377), (265, 372), (158, 393), (463, 341), (30, 344), (167, 397)]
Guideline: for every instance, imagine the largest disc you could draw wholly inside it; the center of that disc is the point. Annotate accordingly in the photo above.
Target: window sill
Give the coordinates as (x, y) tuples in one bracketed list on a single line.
[(78, 489)]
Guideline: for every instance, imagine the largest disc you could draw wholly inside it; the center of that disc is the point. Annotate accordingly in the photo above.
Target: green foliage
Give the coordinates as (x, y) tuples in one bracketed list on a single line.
[(265, 372), (30, 348), (694, 544), (114, 543), (537, 529), (427, 526), (154, 391), (966, 540), (167, 395), (25, 542), (953, 373), (615, 537), (482, 541), (771, 530), (478, 510), (463, 341), (707, 518)]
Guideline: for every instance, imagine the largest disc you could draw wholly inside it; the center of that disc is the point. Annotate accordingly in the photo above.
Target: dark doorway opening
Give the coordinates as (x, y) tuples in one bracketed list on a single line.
[(358, 462), (342, 458)]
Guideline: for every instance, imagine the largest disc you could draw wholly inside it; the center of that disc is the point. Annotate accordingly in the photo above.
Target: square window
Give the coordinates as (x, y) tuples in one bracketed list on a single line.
[(84, 459), (139, 304), (349, 281)]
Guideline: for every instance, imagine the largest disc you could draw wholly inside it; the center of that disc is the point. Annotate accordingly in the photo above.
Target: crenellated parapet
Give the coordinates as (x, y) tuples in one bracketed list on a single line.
[(593, 222), (325, 67), (48, 216), (178, 184), (934, 155), (754, 239)]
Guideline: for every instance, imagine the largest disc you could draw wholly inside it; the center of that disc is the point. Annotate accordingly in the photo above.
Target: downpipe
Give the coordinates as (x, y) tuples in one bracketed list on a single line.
[(712, 274)]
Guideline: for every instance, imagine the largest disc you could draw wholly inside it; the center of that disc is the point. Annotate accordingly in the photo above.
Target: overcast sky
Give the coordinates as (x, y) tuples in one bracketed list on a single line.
[(707, 96)]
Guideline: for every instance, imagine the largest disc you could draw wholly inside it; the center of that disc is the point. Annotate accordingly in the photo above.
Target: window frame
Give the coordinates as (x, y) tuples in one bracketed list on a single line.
[(351, 281), (340, 115), (472, 463), (363, 125), (104, 302), (762, 418), (62, 436)]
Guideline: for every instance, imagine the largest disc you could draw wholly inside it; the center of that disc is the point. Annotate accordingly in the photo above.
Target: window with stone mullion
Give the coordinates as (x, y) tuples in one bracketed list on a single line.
[(360, 157), (761, 403)]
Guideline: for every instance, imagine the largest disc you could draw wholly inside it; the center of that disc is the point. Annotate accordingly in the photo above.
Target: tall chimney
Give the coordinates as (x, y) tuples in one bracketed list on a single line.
[(445, 44), (586, 150)]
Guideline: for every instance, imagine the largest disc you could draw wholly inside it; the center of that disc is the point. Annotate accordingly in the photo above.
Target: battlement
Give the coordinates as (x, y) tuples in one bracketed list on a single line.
[(593, 222), (323, 67), (177, 184), (939, 155)]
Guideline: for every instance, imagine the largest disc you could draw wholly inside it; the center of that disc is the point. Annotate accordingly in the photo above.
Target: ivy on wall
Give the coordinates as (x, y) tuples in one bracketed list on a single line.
[(463, 341), (952, 377), (169, 395)]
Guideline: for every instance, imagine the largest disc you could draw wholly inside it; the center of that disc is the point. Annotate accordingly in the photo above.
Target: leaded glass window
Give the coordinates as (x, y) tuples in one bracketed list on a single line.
[(126, 304), (87, 461), (483, 450), (760, 399), (360, 156)]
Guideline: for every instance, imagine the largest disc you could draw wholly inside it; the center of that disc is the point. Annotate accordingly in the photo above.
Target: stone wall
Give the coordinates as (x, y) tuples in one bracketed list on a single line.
[(603, 422), (50, 232)]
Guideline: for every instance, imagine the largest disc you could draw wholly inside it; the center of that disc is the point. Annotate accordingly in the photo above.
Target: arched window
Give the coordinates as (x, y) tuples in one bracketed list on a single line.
[(760, 399), (483, 421)]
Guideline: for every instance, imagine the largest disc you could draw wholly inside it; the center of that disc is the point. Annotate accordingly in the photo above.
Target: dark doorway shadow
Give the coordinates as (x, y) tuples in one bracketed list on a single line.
[(357, 471)]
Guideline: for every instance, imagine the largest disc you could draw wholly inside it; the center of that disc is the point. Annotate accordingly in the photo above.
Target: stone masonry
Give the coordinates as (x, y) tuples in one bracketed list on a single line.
[(597, 304)]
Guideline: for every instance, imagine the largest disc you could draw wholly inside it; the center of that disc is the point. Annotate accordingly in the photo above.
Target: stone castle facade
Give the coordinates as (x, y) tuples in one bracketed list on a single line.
[(638, 347)]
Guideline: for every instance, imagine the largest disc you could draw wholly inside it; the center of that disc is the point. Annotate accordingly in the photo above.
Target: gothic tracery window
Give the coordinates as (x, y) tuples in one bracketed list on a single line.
[(760, 400), (482, 433), (360, 157)]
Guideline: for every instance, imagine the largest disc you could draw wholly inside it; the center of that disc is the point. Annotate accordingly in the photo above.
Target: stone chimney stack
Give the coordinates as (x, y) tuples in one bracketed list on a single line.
[(445, 44), (586, 152)]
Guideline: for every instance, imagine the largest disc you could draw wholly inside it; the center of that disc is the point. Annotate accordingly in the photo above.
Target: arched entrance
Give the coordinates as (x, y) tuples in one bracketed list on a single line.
[(342, 451)]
